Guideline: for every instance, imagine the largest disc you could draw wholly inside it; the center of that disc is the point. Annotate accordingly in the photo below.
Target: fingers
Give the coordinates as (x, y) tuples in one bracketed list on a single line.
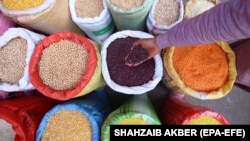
[(136, 64)]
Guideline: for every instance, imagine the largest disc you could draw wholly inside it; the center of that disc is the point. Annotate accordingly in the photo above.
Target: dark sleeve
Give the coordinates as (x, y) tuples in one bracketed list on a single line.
[(224, 22)]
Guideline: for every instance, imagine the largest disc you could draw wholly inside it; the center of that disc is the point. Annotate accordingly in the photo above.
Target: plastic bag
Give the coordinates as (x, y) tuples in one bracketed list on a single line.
[(157, 29), (91, 79), (24, 114), (32, 39), (50, 17), (177, 111), (98, 28), (95, 107), (138, 110), (126, 89), (173, 81)]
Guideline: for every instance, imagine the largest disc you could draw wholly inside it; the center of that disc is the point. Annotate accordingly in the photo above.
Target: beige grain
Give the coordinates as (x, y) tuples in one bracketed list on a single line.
[(166, 12), (67, 125), (62, 64), (12, 60), (88, 8)]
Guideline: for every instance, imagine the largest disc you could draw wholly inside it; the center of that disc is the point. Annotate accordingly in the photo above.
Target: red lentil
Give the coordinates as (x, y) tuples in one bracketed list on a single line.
[(201, 67)]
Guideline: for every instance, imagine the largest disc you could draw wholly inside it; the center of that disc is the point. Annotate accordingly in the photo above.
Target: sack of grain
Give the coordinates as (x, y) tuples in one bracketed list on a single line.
[(77, 119), (93, 17), (164, 15), (196, 7), (5, 23), (129, 14), (177, 111), (20, 117), (16, 48), (205, 71), (119, 76), (65, 65), (45, 16), (138, 110)]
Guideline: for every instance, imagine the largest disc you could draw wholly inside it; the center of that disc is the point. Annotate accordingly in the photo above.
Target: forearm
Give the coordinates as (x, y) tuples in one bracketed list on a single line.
[(226, 21)]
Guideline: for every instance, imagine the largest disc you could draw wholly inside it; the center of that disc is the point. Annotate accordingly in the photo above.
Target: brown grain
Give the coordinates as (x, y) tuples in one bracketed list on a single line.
[(12, 60)]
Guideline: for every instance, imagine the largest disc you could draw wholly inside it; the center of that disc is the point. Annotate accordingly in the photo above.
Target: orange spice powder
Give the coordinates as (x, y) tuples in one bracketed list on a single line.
[(201, 67)]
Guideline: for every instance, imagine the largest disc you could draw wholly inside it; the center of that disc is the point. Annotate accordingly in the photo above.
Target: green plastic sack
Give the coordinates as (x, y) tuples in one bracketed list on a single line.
[(130, 19)]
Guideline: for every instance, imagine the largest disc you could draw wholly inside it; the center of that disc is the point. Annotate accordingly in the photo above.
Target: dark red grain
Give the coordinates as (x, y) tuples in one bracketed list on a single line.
[(121, 73), (136, 55)]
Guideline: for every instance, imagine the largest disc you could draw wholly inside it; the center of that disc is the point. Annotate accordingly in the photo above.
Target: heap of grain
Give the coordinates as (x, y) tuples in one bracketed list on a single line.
[(77, 119), (88, 8), (53, 70), (166, 12), (16, 48), (163, 15), (118, 74), (11, 53), (205, 71), (123, 74), (63, 65), (21, 4), (129, 14), (73, 122), (93, 17)]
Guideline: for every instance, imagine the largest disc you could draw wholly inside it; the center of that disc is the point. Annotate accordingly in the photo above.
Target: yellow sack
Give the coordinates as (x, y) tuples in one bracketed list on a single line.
[(172, 80), (49, 17)]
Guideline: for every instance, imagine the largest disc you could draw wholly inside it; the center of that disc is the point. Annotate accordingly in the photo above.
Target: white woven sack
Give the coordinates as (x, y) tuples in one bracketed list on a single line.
[(157, 29), (98, 28), (32, 39), (135, 89)]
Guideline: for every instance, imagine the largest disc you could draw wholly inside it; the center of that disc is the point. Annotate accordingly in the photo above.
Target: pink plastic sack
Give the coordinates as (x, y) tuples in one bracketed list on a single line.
[(5, 23), (242, 52)]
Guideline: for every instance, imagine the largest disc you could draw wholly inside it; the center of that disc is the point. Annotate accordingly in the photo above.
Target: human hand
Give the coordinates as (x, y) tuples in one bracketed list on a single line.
[(141, 51)]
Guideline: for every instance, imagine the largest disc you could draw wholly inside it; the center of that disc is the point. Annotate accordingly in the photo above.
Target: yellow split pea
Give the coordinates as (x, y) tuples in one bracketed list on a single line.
[(21, 4)]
